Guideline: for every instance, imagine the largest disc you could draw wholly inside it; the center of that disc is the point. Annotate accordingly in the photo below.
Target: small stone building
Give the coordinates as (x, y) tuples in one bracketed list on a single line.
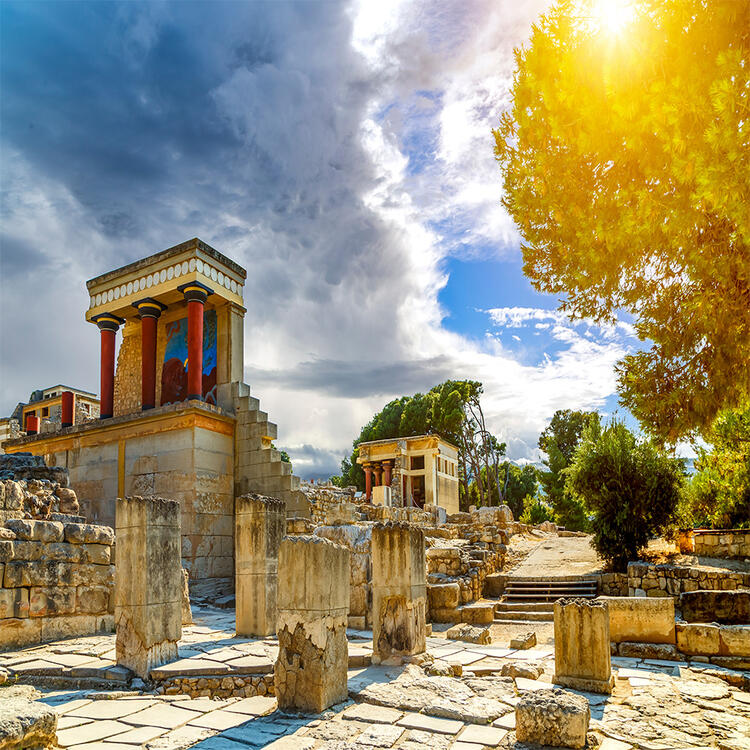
[(176, 419), (419, 471)]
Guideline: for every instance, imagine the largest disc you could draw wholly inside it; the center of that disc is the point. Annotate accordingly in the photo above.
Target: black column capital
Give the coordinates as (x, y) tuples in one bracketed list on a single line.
[(194, 291), (148, 307), (108, 322)]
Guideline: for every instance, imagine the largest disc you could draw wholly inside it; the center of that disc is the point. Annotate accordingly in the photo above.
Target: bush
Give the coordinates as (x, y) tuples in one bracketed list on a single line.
[(535, 511), (630, 487)]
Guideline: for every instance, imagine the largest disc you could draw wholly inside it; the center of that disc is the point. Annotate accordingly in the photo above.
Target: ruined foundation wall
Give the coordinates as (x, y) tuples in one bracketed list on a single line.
[(645, 579), (728, 543), (56, 581)]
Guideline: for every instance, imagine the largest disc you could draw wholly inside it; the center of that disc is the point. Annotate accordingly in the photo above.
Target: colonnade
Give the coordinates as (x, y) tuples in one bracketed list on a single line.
[(149, 312), (382, 471)]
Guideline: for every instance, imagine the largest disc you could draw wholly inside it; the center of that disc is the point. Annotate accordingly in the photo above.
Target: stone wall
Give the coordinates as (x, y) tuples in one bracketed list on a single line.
[(35, 498), (127, 397), (645, 579), (325, 501), (730, 543), (57, 581), (613, 584)]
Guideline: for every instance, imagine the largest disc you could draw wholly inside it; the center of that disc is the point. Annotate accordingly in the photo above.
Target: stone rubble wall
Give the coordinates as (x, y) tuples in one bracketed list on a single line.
[(728, 543), (325, 501), (237, 686), (613, 584), (56, 579), (35, 498), (646, 579)]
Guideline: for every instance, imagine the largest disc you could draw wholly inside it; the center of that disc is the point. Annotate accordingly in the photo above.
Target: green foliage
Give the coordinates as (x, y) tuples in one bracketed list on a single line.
[(631, 488), (516, 483), (284, 454), (559, 441), (626, 166), (718, 495), (536, 511)]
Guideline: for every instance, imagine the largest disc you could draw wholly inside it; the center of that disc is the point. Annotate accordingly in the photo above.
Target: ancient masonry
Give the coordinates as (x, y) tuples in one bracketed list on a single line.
[(148, 583)]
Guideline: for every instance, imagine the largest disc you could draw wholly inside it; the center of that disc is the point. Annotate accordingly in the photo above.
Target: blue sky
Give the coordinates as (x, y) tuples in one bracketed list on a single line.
[(341, 152)]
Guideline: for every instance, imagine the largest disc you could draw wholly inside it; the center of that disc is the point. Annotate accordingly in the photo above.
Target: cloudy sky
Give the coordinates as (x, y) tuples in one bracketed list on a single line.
[(341, 152)]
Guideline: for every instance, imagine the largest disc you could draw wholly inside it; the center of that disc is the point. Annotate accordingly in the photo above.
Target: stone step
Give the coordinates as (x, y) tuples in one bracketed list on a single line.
[(528, 616), (524, 607), (548, 597)]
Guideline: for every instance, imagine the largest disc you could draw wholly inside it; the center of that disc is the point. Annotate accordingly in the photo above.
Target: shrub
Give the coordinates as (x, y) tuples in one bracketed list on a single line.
[(535, 511), (630, 487)]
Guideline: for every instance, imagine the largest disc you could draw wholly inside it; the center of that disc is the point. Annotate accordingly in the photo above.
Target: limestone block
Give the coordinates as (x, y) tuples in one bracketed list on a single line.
[(698, 638), (92, 600), (494, 585), (7, 549), (87, 533), (94, 575), (310, 673), (399, 590), (260, 523), (640, 619), (552, 717), (99, 554), (67, 626), (735, 640), (524, 641), (443, 595), (148, 582), (648, 650), (56, 600), (19, 632), (24, 550), (14, 602), (42, 531), (730, 607), (39, 573), (582, 651), (469, 633), (26, 724)]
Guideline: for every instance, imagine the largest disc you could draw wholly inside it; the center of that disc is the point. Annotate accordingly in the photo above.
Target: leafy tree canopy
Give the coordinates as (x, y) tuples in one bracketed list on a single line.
[(559, 441), (631, 488), (626, 165)]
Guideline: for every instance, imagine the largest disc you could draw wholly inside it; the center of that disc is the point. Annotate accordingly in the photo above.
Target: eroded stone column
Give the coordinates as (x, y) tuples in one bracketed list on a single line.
[(260, 524), (399, 591), (148, 582), (313, 603), (582, 650)]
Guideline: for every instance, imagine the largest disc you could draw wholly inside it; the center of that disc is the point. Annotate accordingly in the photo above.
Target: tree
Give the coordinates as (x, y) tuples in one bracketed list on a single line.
[(626, 166), (719, 492), (630, 486), (559, 441), (535, 511)]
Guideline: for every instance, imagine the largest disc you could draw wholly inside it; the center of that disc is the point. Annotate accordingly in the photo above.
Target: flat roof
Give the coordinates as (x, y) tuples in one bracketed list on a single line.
[(410, 437), (194, 243)]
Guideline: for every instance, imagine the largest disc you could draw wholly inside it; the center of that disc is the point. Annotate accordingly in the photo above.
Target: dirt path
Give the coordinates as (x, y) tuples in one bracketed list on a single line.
[(559, 556)]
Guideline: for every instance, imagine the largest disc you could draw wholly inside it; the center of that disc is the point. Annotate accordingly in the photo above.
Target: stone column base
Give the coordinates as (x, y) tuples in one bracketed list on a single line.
[(585, 684)]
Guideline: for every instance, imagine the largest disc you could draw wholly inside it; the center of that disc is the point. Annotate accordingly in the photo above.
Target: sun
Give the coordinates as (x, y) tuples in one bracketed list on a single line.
[(612, 16)]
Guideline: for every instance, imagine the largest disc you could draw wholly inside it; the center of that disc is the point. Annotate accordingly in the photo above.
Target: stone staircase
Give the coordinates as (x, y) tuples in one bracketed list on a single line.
[(532, 600), (258, 466)]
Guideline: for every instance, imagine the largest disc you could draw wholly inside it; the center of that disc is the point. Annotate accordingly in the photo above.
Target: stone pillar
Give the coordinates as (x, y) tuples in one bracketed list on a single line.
[(399, 591), (67, 408), (387, 465), (108, 325), (260, 525), (368, 481), (582, 650), (195, 296), (313, 604), (148, 583), (150, 310), (378, 469)]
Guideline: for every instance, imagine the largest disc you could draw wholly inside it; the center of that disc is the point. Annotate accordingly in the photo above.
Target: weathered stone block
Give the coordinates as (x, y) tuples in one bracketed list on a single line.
[(443, 595), (98, 554), (16, 633), (86, 533), (524, 641), (46, 601), (648, 650), (582, 651), (42, 531), (698, 638), (59, 551), (399, 590), (494, 585), (26, 724), (313, 601), (552, 717), (14, 603), (67, 626), (469, 633), (734, 640), (39, 573), (640, 619), (7, 550), (730, 607), (148, 582), (260, 523), (187, 613), (92, 600)]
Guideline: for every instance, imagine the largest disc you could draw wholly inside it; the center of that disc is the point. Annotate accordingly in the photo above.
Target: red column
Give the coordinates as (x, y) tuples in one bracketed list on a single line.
[(195, 295), (32, 424), (378, 473), (387, 468), (68, 401), (149, 310), (108, 326), (368, 482)]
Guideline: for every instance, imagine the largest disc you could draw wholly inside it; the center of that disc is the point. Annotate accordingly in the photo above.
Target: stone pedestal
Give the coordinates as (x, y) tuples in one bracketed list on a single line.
[(148, 582), (582, 651), (399, 591), (260, 524), (313, 603)]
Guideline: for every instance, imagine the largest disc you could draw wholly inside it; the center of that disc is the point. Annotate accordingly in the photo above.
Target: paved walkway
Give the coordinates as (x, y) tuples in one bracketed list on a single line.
[(559, 556)]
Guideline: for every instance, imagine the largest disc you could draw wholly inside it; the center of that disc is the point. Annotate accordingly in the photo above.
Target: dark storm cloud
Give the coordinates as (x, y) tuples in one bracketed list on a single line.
[(346, 379)]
